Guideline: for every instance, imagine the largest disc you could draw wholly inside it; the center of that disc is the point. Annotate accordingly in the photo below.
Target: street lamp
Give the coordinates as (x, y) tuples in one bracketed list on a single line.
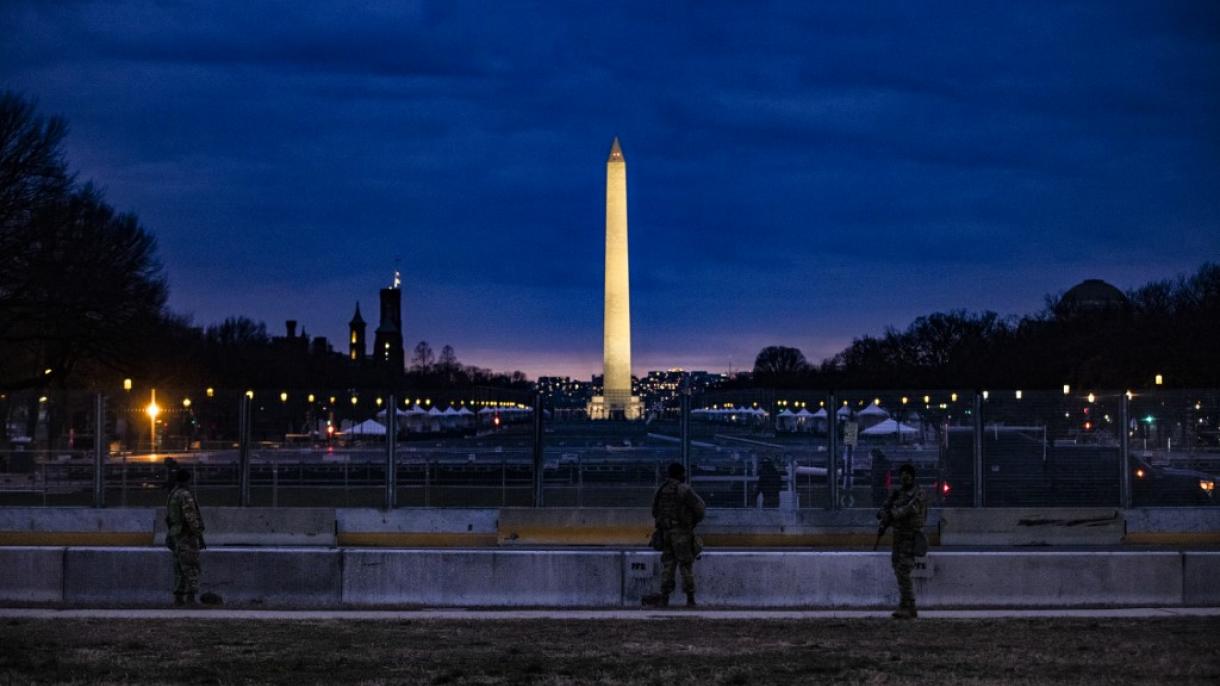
[(153, 410)]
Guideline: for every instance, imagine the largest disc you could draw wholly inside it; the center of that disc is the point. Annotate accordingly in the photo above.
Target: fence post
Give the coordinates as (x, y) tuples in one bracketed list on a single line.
[(243, 451), (978, 449), (99, 450), (538, 465), (684, 425), (1124, 452), (391, 447), (832, 456)]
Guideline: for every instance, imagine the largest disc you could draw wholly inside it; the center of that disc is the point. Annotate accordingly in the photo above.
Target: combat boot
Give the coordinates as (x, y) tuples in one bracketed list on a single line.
[(690, 599), (656, 600)]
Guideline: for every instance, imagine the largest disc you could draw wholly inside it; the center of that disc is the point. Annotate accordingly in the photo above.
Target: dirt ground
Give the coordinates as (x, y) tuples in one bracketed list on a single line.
[(679, 651)]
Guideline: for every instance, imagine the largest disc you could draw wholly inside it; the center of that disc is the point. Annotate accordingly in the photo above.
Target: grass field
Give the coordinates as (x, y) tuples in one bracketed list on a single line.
[(678, 651)]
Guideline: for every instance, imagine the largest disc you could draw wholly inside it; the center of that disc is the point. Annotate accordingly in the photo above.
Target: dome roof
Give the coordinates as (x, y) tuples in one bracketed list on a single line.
[(1093, 294)]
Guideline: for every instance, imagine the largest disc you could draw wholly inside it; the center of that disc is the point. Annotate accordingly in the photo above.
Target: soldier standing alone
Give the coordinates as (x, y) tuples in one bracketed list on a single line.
[(905, 509), (185, 538), (677, 509)]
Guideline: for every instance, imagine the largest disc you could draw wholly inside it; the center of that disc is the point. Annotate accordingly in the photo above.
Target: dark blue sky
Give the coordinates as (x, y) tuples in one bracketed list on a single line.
[(798, 173)]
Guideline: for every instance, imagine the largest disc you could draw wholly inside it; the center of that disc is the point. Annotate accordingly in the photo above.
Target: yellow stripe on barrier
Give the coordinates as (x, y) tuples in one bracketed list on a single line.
[(413, 539), (76, 538), (1173, 538)]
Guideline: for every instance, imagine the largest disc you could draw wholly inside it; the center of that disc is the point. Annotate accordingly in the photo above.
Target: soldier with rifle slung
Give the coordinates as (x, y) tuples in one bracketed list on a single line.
[(905, 509), (184, 537)]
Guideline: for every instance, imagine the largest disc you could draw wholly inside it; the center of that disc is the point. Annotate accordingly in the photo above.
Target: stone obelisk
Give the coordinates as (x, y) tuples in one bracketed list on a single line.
[(616, 401)]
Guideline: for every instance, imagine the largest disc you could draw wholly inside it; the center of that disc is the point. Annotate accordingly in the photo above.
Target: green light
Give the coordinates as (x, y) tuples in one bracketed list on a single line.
[(1148, 419)]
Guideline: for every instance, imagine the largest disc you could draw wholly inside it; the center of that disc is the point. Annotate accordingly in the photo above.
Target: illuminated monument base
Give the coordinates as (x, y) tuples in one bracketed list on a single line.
[(622, 407)]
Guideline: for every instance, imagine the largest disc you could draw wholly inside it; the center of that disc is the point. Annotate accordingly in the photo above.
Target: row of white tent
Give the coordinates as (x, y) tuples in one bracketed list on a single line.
[(450, 416)]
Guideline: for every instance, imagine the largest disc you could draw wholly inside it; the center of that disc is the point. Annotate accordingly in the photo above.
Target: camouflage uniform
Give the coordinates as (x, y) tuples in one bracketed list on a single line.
[(677, 509), (184, 538), (905, 510)]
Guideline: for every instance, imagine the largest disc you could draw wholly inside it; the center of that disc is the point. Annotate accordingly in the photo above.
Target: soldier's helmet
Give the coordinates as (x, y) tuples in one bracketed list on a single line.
[(907, 468), (183, 476), (675, 470)]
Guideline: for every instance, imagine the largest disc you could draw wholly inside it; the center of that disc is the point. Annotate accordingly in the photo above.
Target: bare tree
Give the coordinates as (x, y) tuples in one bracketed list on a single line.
[(423, 358)]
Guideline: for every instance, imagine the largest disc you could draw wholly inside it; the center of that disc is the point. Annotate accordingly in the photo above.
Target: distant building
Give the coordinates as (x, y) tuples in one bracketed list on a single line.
[(660, 389), (562, 392), (387, 341), (1089, 296), (355, 329)]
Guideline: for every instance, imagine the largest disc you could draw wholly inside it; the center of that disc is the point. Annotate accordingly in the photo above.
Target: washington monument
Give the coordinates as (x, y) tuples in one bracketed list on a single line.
[(616, 401)]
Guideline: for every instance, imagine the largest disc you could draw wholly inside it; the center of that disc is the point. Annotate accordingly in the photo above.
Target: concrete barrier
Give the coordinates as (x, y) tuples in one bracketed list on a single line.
[(118, 576), (304, 577), (281, 577), (482, 577), (261, 526), (1201, 578), (417, 527), (313, 577), (1173, 526), (1061, 579), (575, 526), (758, 579), (797, 528), (1031, 526), (76, 526), (31, 575)]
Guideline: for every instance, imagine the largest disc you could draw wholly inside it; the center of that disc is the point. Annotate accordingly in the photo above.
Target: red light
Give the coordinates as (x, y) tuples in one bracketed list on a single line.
[(945, 488)]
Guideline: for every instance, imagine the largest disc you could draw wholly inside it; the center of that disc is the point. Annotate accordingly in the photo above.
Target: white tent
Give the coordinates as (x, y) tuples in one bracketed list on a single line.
[(844, 411), (874, 411), (368, 427), (889, 427), (465, 412), (821, 414)]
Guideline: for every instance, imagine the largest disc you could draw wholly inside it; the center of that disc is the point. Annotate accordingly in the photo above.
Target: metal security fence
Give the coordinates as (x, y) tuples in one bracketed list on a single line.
[(785, 449)]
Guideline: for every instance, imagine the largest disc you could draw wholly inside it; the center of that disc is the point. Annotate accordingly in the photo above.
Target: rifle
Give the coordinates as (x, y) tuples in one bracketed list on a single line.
[(885, 525)]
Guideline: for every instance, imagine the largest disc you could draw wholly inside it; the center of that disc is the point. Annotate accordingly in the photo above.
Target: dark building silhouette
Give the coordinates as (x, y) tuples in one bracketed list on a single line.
[(355, 336), (387, 342), (1091, 296)]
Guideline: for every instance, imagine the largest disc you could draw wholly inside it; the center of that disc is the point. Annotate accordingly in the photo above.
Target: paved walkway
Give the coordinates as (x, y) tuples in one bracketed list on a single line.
[(450, 614)]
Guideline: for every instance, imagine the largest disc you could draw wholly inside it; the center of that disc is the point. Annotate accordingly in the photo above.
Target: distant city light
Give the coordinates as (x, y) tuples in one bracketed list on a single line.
[(1068, 389), (211, 392), (1092, 398), (283, 396), (186, 402), (127, 384), (1159, 380)]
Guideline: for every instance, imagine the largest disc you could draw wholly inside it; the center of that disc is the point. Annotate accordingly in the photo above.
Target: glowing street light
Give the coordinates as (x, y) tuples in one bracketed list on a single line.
[(153, 410), (1067, 390), (1159, 380), (186, 402), (210, 392), (127, 384), (283, 396)]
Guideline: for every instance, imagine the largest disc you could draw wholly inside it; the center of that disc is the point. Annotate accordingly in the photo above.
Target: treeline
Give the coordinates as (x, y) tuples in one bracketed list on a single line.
[(83, 297), (1167, 327)]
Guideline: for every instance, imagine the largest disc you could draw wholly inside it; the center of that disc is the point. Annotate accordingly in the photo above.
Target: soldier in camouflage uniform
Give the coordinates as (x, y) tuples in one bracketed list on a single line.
[(185, 538), (677, 509), (905, 510)]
